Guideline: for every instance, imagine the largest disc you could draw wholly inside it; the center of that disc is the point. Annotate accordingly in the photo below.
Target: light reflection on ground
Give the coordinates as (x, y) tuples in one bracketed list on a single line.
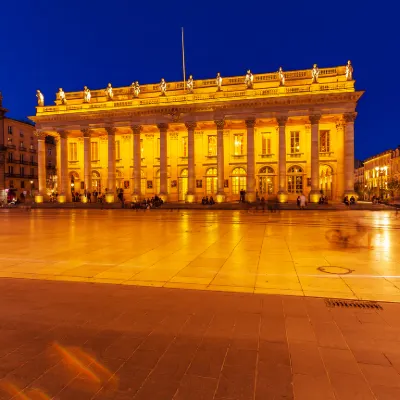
[(236, 251)]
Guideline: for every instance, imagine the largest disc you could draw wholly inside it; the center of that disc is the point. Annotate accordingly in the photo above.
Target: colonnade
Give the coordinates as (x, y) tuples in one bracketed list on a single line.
[(348, 156)]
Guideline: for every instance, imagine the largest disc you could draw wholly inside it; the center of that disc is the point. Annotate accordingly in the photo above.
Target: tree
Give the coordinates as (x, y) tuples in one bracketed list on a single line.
[(393, 186)]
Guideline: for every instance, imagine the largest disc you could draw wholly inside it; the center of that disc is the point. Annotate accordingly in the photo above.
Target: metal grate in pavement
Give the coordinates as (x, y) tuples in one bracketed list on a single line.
[(371, 305)]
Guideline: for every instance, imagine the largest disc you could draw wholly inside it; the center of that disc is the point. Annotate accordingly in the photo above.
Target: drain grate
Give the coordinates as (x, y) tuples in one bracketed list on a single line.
[(371, 305)]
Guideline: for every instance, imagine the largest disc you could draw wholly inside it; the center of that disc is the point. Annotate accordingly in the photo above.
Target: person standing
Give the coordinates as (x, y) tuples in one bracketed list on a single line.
[(303, 202)]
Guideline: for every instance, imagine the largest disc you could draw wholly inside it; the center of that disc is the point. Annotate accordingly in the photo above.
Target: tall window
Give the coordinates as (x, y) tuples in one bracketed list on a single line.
[(238, 145), (185, 146), (32, 171), (21, 158), (22, 171), (238, 180), (324, 142), (10, 130), (158, 148), (94, 148), (212, 145), (265, 143), (22, 184), (142, 149), (10, 157), (73, 152), (294, 142), (21, 134), (295, 180), (117, 150), (10, 169)]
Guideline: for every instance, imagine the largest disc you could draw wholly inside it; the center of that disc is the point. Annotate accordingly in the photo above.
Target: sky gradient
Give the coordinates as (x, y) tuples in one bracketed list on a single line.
[(48, 44)]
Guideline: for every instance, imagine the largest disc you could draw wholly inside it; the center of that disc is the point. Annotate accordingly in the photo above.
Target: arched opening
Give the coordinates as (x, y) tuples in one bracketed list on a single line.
[(183, 184), (326, 180), (266, 180), (238, 180), (96, 181), (295, 179), (211, 181), (74, 181), (119, 179)]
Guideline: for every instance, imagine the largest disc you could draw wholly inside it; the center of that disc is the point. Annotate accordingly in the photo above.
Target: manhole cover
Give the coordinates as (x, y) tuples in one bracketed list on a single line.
[(335, 270), (353, 304)]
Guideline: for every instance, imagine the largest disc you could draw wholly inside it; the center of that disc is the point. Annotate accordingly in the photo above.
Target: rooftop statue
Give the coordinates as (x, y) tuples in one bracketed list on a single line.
[(314, 74), (109, 92), (218, 81), (40, 98), (349, 71), (86, 95), (136, 89), (281, 76), (248, 80), (163, 87), (61, 96), (1, 100), (189, 84)]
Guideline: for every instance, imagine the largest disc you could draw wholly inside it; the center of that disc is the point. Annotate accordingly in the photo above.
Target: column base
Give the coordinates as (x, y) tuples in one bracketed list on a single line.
[(220, 198), (38, 198), (314, 196), (163, 197), (250, 197), (282, 197), (110, 198), (62, 198), (190, 198)]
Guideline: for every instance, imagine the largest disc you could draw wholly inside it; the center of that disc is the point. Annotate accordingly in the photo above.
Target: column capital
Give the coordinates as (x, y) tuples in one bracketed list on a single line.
[(111, 130), (136, 129), (349, 117), (314, 118), (87, 133), (63, 134), (163, 127), (250, 122), (39, 134), (191, 125), (220, 123), (282, 120)]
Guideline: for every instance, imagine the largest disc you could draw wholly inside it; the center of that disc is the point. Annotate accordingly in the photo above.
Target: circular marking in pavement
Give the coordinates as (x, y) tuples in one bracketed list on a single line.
[(335, 270)]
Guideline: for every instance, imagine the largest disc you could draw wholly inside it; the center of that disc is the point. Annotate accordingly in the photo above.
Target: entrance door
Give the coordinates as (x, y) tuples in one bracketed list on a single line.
[(183, 185), (211, 181)]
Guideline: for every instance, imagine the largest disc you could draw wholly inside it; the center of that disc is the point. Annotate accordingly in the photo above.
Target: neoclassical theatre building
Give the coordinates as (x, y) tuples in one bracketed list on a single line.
[(275, 134)]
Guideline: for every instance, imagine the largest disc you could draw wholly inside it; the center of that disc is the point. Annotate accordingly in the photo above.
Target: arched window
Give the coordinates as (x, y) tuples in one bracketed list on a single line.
[(74, 184), (211, 181), (266, 170), (325, 180), (295, 179), (183, 184), (96, 181), (238, 180), (266, 180)]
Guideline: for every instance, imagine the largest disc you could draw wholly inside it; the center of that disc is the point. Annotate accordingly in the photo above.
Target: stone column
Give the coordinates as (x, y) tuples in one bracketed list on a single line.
[(39, 198), (251, 162), (64, 188), (111, 185), (163, 161), (191, 195), (349, 154), (87, 159), (315, 191), (282, 193), (220, 160), (137, 162)]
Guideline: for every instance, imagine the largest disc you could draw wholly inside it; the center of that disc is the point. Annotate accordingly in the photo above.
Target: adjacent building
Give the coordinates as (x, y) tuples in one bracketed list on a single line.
[(274, 135)]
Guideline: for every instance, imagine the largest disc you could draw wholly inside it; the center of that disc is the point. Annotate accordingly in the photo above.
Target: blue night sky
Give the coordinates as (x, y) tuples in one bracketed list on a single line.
[(69, 44)]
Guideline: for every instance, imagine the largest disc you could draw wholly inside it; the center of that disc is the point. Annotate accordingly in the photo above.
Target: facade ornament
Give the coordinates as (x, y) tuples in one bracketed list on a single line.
[(173, 135), (349, 117), (189, 84), (218, 82), (314, 74), (109, 92), (349, 71), (136, 89), (191, 125), (163, 127), (175, 114), (39, 133), (282, 120), (62, 133), (248, 80), (111, 130), (163, 87), (250, 123), (40, 98), (61, 96), (86, 95), (136, 129), (87, 133), (220, 123), (281, 76), (314, 119)]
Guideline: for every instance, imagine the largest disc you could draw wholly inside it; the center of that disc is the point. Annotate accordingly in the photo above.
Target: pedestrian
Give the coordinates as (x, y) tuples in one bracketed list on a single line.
[(263, 204), (303, 201)]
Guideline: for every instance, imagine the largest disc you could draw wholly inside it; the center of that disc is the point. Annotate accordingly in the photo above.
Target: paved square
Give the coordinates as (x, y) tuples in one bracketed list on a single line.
[(291, 252)]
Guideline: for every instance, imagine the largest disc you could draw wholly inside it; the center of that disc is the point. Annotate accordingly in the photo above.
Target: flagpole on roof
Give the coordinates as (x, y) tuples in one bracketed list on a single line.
[(183, 62)]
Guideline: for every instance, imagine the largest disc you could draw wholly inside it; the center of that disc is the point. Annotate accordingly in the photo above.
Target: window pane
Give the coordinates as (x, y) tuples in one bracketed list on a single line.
[(294, 142), (212, 145), (238, 145)]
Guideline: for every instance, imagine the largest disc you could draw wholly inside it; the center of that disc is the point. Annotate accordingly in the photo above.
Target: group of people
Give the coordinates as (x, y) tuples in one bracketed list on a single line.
[(323, 200), (205, 201), (348, 201), (301, 201), (154, 202)]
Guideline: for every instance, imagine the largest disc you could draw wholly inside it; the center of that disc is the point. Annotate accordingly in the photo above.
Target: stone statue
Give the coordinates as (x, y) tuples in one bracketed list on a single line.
[(314, 74), (86, 95), (163, 87), (281, 76), (249, 80), (349, 71), (136, 89), (189, 84), (109, 92), (1, 99), (40, 98), (218, 82), (61, 96)]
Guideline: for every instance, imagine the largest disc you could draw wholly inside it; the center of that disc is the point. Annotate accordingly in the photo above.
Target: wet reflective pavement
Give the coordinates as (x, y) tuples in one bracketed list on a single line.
[(351, 255)]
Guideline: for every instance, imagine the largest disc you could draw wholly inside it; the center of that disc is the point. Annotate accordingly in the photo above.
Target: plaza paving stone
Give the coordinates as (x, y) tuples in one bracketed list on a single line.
[(237, 309)]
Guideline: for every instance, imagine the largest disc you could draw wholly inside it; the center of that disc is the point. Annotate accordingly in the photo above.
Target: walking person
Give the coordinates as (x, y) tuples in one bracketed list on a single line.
[(303, 202)]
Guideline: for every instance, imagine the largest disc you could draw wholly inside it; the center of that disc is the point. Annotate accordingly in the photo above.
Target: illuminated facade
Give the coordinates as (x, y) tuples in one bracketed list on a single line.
[(275, 137)]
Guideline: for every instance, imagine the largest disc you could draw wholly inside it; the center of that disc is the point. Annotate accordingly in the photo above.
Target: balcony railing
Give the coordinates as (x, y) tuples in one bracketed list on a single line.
[(11, 175), (326, 153), (22, 148), (267, 155), (32, 150), (295, 155), (35, 164), (11, 146)]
